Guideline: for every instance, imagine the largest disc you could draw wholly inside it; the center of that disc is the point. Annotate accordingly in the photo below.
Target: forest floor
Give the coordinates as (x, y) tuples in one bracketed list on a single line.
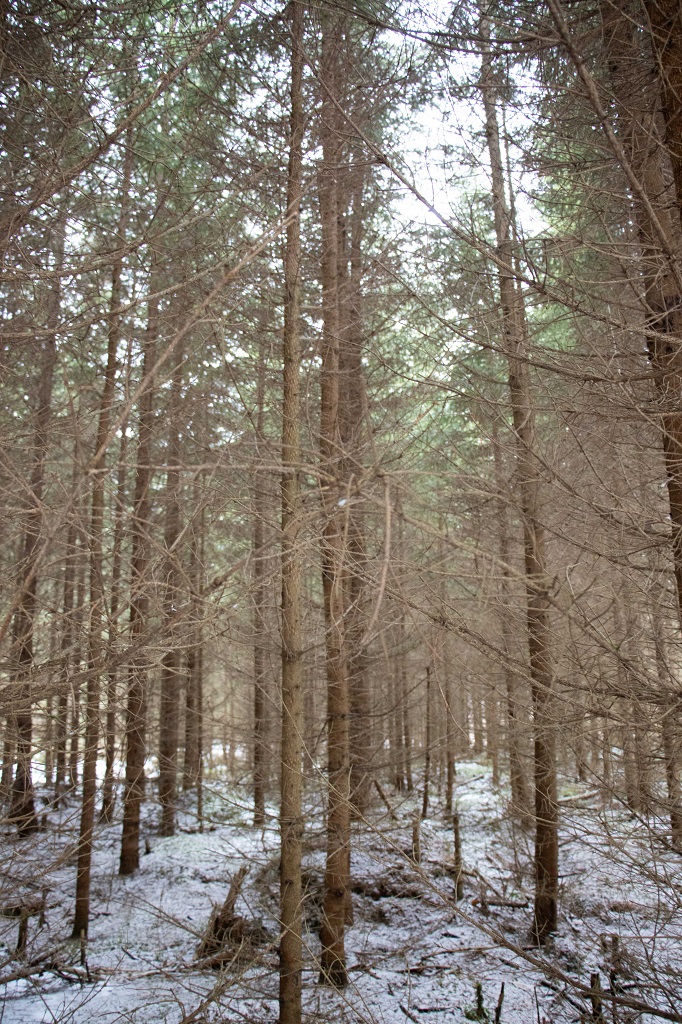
[(413, 953)]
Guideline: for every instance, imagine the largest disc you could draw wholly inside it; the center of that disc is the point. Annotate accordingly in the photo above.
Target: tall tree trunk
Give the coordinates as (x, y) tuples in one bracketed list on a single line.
[(8, 751), (22, 811), (520, 798), (97, 595), (352, 427), (336, 878), (665, 17), (450, 763), (136, 707), (529, 479), (193, 695), (107, 807), (67, 639), (291, 788), (427, 745), (657, 207), (669, 729), (171, 669), (259, 626)]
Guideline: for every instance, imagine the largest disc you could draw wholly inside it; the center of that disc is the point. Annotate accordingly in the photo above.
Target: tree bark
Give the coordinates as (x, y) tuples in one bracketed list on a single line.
[(520, 797), (107, 807), (259, 628), (22, 810), (171, 670), (336, 878), (191, 777), (97, 595), (665, 17), (291, 788), (136, 709), (427, 745), (529, 479)]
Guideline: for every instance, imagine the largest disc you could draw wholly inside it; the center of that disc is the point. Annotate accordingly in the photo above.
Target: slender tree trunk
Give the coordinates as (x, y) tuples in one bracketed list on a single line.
[(517, 777), (8, 750), (22, 811), (477, 716), (47, 738), (171, 670), (97, 596), (528, 473), (395, 723), (136, 709), (67, 639), (291, 788), (450, 763), (107, 807), (492, 745), (336, 879), (669, 732), (259, 627), (427, 745), (193, 699), (352, 404)]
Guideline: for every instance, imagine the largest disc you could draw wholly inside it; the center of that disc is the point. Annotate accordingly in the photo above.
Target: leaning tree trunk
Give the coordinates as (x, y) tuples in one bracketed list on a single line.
[(529, 479), (291, 816)]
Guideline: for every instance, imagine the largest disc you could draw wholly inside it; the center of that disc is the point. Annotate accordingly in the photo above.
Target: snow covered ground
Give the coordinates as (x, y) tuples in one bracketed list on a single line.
[(413, 953)]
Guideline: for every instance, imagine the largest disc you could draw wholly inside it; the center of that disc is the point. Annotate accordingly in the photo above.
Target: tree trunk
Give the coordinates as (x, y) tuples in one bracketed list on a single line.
[(537, 582), (260, 753), (427, 745), (336, 878), (657, 208), (171, 669), (22, 810), (352, 404), (136, 709), (450, 763), (520, 798), (66, 651), (107, 807), (291, 789), (97, 596), (665, 18), (193, 695)]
